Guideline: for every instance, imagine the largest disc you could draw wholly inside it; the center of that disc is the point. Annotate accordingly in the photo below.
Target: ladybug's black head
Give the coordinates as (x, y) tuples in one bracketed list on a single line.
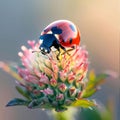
[(49, 40), (44, 50), (47, 43)]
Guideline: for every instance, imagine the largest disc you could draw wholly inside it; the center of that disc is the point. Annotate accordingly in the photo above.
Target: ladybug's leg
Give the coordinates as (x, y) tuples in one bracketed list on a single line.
[(58, 48), (58, 54), (67, 51)]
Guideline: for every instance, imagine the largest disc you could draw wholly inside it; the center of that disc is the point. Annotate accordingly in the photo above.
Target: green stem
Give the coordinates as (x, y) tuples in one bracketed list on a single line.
[(66, 115)]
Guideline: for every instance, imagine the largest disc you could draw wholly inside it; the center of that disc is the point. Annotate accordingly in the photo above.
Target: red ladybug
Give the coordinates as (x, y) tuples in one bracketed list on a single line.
[(60, 34)]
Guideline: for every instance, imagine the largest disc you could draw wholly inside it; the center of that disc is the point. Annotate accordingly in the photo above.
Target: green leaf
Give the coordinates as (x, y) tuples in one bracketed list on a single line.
[(23, 92), (37, 103), (17, 101), (40, 103), (86, 93), (83, 103), (93, 82), (101, 78), (92, 75)]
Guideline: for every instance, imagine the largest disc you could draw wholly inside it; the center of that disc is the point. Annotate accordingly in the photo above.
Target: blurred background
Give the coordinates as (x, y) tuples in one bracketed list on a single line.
[(24, 20)]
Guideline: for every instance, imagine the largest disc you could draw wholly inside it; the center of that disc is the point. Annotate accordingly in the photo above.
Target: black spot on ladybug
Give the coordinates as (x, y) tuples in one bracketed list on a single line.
[(70, 40), (56, 30), (72, 28), (63, 40)]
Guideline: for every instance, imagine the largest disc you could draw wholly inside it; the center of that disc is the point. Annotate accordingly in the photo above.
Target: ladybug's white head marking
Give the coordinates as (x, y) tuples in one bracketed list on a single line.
[(41, 48), (57, 36), (40, 41), (44, 50), (49, 32)]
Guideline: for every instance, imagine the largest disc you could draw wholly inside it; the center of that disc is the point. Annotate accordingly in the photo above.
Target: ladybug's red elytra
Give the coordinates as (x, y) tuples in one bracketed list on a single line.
[(60, 34)]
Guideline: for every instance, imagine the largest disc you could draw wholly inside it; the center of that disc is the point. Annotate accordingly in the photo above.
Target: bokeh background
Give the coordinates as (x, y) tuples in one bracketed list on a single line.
[(99, 23)]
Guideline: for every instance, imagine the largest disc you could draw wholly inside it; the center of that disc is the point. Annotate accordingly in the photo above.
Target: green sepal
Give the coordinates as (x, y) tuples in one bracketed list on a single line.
[(17, 101), (60, 109), (34, 104), (23, 92), (40, 103), (83, 103)]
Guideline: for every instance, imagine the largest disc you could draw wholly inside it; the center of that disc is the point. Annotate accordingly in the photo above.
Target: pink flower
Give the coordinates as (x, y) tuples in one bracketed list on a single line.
[(47, 82)]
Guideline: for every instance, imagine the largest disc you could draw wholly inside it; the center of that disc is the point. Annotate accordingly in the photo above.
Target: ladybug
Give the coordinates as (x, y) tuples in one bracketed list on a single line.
[(59, 34)]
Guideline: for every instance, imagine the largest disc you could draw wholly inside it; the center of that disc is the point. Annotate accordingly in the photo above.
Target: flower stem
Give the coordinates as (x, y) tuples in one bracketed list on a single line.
[(66, 115)]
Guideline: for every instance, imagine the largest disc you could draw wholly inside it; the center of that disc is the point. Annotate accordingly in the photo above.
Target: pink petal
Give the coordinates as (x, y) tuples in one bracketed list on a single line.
[(47, 91)]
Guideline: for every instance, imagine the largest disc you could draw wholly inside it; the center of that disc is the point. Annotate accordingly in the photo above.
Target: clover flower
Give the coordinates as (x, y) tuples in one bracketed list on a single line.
[(49, 83)]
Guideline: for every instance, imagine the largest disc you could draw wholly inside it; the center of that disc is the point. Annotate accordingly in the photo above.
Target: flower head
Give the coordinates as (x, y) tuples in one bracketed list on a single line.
[(47, 82)]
